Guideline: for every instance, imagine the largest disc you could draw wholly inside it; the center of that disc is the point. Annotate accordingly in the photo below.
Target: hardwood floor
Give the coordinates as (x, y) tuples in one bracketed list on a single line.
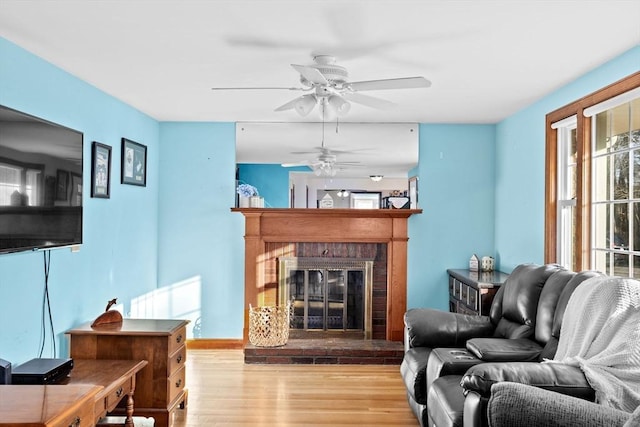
[(223, 391)]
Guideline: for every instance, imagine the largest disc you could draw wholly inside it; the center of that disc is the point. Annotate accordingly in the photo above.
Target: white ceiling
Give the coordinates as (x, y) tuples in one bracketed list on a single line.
[(486, 59)]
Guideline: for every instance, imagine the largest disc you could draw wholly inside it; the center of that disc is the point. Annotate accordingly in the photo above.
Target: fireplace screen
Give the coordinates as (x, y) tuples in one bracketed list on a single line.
[(327, 293)]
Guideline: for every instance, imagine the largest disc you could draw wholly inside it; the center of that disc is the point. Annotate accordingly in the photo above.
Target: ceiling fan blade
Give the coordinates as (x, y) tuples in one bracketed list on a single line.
[(324, 150), (259, 88), (292, 165), (369, 101), (288, 106), (311, 74), (317, 150), (400, 83)]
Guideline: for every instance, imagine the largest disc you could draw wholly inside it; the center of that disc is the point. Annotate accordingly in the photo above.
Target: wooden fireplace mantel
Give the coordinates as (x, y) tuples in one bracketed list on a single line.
[(387, 226)]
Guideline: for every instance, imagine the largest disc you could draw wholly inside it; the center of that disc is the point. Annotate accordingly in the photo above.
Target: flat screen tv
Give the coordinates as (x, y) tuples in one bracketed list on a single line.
[(40, 183)]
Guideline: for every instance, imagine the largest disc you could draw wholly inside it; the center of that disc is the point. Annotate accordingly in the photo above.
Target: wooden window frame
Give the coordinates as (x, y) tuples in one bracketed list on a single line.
[(583, 171)]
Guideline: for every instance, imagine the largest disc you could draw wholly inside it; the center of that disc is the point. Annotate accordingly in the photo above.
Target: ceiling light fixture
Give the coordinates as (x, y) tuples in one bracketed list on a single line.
[(329, 106), (343, 193), (305, 104), (376, 178), (324, 169), (340, 106)]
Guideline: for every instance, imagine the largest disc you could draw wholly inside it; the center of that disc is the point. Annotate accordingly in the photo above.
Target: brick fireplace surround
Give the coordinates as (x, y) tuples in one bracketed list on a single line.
[(271, 233)]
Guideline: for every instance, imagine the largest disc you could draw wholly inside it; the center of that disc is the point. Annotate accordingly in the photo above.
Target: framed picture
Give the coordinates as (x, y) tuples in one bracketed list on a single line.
[(365, 200), (62, 184), (134, 163), (100, 170), (413, 192)]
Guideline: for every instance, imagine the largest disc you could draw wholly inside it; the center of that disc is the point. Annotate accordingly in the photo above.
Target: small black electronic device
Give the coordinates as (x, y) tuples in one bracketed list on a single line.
[(41, 371), (5, 372)]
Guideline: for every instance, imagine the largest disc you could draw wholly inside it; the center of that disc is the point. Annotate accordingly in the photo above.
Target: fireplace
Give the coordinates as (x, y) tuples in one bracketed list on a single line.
[(267, 229), (327, 294)]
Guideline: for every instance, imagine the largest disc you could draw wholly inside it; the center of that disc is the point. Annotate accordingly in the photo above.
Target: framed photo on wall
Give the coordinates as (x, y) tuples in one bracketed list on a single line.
[(413, 192), (100, 170), (134, 163)]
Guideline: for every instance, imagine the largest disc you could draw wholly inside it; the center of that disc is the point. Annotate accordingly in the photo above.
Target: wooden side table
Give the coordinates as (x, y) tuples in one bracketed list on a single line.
[(160, 387), (472, 292)]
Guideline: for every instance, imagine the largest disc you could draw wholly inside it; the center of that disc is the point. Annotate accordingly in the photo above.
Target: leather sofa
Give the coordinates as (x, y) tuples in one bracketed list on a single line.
[(523, 325)]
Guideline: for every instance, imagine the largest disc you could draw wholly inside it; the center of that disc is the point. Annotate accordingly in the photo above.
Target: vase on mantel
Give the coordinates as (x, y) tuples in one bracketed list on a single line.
[(244, 202), (256, 202)]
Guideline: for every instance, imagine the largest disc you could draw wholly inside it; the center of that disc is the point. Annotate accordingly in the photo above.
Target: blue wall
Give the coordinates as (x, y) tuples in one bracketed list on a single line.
[(118, 257), (456, 193), (272, 181), (201, 251), (520, 167)]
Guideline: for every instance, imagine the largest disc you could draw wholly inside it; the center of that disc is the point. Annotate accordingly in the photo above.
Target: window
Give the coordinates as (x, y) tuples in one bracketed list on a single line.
[(616, 190), (567, 175), (592, 218)]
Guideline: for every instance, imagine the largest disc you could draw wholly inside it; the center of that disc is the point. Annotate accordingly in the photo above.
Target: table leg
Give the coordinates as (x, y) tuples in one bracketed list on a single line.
[(128, 422)]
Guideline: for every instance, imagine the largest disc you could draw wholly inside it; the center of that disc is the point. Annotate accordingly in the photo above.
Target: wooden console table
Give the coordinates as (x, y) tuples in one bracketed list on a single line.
[(48, 405), (160, 387)]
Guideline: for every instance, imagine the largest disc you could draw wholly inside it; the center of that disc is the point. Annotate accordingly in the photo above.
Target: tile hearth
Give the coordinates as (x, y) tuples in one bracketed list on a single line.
[(340, 351)]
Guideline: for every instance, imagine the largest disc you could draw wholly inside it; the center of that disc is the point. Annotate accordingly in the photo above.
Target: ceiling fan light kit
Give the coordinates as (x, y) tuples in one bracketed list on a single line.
[(324, 169), (330, 108)]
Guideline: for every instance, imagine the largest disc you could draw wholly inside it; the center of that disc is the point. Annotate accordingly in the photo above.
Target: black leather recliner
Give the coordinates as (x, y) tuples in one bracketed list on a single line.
[(441, 346), (449, 404), (512, 316)]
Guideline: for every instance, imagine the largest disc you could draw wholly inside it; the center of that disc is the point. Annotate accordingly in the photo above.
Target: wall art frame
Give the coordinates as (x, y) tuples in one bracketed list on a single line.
[(100, 170), (134, 163)]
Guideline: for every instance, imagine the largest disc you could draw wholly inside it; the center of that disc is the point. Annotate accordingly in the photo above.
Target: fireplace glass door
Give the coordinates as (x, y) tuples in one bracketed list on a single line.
[(327, 298)]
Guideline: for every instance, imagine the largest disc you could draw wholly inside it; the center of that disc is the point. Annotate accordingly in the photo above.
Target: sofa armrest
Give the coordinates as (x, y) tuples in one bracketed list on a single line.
[(511, 403), (556, 377), (505, 350), (425, 327)]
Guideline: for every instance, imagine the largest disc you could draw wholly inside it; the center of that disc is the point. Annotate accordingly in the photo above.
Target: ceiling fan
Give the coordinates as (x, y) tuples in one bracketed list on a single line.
[(325, 163), (326, 85)]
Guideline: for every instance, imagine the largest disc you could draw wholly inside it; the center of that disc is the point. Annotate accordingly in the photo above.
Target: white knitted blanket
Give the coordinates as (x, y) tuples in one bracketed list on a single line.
[(601, 334)]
